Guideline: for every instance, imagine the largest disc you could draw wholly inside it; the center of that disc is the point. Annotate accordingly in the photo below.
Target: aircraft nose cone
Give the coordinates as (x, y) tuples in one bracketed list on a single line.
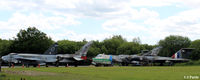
[(3, 58)]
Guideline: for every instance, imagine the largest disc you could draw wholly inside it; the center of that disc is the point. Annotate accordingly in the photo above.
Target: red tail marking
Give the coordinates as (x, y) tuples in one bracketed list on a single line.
[(84, 57), (173, 56)]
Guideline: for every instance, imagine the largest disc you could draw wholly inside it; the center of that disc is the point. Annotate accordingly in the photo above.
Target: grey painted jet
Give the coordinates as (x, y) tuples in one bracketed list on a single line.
[(76, 58), (152, 57), (49, 56)]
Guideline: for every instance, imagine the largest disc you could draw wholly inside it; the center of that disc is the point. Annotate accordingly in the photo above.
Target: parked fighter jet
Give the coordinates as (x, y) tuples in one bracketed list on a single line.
[(74, 58), (32, 59), (152, 57)]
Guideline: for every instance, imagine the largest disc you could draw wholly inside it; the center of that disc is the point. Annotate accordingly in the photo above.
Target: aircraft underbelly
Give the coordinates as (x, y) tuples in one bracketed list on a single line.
[(66, 61)]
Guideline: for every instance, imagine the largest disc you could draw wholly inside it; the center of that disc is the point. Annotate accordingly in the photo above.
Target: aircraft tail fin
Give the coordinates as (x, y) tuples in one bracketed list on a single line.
[(183, 53), (177, 55), (52, 49), (83, 51), (153, 52)]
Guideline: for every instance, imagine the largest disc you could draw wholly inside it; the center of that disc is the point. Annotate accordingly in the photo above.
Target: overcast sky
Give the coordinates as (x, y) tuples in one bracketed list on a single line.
[(150, 20)]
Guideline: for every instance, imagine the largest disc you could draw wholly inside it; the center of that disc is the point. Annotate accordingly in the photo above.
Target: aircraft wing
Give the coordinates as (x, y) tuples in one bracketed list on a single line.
[(30, 59), (71, 57), (179, 60), (77, 58), (164, 59)]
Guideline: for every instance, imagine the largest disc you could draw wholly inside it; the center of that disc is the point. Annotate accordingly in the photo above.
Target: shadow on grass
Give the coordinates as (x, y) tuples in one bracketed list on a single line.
[(2, 76)]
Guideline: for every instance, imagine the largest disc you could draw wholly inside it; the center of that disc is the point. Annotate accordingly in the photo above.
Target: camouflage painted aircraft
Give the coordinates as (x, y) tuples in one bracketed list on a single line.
[(152, 57), (75, 58)]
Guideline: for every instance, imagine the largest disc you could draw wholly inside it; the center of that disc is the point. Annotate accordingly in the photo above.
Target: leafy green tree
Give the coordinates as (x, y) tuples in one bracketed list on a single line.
[(172, 44), (69, 47), (196, 53), (129, 48), (31, 40), (5, 47), (148, 47), (95, 49), (112, 44), (103, 49)]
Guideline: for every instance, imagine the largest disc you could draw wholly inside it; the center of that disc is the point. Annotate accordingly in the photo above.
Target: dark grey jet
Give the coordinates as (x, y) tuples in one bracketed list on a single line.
[(76, 58), (152, 57)]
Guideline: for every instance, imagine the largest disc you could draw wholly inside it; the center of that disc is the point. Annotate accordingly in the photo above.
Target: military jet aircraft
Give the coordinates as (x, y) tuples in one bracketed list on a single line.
[(146, 58), (74, 58), (152, 57), (49, 56)]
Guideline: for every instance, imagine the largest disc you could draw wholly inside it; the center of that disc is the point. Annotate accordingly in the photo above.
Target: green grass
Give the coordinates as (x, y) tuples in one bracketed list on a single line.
[(101, 73), (190, 63)]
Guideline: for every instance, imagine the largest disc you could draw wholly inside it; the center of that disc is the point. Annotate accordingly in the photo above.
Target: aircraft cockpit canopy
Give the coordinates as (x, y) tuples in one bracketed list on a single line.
[(99, 55), (12, 53)]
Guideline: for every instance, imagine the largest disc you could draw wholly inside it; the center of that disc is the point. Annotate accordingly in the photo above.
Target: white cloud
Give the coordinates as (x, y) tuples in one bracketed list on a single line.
[(161, 3), (8, 35), (119, 25), (61, 3), (118, 15), (21, 21), (191, 3), (103, 9), (123, 21), (71, 35), (185, 23), (152, 3)]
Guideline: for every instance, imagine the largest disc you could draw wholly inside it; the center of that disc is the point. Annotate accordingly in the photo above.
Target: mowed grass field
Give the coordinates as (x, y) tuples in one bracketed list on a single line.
[(101, 73)]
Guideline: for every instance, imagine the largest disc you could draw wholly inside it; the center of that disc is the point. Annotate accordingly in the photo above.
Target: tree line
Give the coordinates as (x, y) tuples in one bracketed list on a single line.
[(32, 40)]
